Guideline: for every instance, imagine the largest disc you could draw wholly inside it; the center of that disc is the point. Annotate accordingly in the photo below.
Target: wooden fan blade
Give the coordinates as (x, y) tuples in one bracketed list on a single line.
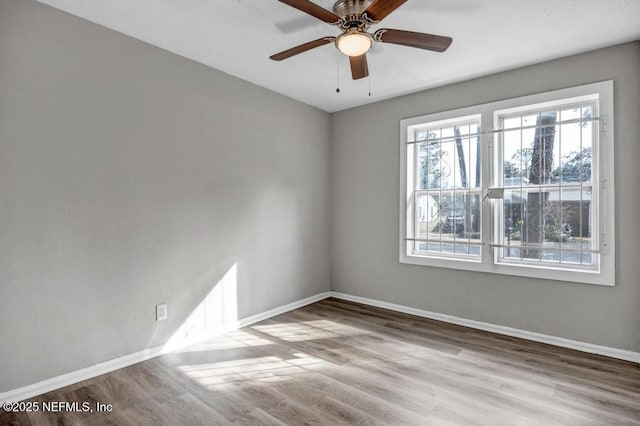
[(380, 9), (409, 38), (302, 48), (314, 10), (359, 66)]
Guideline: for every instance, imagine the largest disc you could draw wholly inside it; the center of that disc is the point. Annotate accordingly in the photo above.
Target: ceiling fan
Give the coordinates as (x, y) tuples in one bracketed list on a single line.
[(354, 17)]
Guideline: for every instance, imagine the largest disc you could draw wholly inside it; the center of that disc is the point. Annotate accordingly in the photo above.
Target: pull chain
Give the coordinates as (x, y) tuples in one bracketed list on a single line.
[(337, 73), (369, 78)]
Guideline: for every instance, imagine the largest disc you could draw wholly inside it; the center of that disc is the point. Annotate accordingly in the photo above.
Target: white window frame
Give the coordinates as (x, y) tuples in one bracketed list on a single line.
[(603, 180), (411, 164)]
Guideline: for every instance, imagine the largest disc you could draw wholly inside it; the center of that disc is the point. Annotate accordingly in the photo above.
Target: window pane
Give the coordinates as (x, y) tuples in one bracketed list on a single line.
[(548, 225), (448, 222), (574, 153), (525, 161), (435, 167), (563, 152), (450, 157)]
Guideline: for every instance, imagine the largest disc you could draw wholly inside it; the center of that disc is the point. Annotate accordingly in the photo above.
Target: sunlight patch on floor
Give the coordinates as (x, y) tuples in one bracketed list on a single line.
[(230, 340), (250, 369), (307, 330)]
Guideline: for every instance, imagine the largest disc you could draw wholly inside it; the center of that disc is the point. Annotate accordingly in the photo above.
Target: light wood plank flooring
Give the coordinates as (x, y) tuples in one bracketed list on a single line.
[(337, 362)]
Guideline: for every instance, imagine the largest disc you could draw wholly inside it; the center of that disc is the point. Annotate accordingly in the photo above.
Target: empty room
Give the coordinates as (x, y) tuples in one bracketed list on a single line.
[(288, 212)]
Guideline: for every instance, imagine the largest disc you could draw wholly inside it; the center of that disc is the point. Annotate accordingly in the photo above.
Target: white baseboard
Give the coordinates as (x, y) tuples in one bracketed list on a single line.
[(134, 358), (508, 331)]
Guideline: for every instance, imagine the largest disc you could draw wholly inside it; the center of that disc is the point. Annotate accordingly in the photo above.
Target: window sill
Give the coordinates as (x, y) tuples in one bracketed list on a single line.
[(543, 272)]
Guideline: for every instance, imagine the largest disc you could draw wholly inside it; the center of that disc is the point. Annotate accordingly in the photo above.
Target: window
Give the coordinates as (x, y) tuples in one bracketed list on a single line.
[(513, 187), (445, 201)]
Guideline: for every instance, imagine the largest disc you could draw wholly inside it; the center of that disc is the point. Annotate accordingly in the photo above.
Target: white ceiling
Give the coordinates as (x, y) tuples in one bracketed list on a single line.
[(238, 36)]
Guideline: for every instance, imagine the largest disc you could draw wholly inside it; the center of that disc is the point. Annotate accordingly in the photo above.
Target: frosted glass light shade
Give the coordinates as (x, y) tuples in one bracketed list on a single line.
[(354, 43)]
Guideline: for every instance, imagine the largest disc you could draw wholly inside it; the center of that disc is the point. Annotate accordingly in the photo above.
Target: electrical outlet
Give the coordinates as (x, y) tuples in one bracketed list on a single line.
[(161, 312)]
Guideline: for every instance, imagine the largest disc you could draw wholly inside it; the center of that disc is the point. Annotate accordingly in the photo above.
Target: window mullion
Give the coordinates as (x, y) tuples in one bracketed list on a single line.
[(486, 178)]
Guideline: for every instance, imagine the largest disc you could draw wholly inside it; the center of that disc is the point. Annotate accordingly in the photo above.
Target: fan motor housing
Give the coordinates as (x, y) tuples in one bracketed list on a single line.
[(350, 11), (344, 8)]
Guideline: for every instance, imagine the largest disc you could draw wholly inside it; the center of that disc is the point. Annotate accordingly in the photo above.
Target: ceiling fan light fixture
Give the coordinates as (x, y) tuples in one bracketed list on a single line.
[(353, 18), (354, 43)]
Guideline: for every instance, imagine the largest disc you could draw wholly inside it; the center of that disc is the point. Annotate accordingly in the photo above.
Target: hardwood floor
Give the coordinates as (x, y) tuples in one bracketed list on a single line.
[(337, 362)]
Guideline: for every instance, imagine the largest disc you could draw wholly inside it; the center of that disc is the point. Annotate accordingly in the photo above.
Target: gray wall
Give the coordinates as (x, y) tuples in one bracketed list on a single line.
[(130, 176), (365, 184)]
